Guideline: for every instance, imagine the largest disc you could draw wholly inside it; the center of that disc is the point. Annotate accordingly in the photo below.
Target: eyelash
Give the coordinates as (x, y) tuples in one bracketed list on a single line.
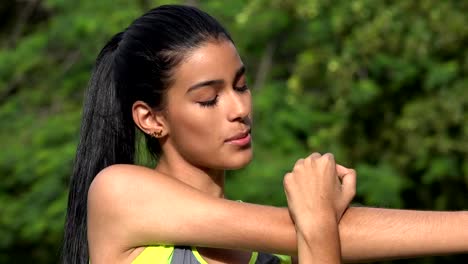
[(209, 103), (212, 103), (242, 89)]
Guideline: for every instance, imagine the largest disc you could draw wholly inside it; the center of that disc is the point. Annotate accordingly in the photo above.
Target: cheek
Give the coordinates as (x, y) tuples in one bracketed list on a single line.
[(249, 103), (196, 134), (196, 124)]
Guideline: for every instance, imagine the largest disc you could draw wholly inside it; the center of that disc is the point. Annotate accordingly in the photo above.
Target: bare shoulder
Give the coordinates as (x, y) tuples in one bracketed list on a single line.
[(118, 195), (121, 173), (124, 174), (136, 206), (115, 183), (129, 187)]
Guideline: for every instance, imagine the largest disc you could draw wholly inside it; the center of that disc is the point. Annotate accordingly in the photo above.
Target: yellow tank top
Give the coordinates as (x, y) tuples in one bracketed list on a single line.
[(189, 255)]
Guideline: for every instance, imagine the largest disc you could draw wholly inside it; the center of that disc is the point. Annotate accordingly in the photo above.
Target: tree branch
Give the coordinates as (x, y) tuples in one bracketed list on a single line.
[(265, 65), (23, 18)]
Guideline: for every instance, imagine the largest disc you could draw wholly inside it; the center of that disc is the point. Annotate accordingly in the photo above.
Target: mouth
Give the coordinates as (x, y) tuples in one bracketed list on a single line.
[(242, 138)]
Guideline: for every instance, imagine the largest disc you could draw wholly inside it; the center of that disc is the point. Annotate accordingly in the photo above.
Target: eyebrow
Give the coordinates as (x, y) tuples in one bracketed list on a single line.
[(238, 74)]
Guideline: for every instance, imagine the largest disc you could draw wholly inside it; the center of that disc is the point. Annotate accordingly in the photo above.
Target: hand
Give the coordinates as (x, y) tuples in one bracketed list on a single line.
[(317, 187), (318, 193)]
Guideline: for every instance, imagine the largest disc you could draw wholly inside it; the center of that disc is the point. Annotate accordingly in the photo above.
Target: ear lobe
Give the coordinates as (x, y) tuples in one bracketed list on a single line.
[(148, 120)]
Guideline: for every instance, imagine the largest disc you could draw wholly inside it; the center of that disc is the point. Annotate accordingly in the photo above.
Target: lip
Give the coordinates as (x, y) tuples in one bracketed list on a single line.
[(241, 139)]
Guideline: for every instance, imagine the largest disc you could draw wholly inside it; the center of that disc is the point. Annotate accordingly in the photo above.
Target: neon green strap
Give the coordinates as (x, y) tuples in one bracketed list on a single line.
[(198, 256), (253, 258)]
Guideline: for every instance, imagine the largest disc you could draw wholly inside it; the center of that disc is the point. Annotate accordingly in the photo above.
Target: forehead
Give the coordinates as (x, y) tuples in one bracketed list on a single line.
[(212, 60)]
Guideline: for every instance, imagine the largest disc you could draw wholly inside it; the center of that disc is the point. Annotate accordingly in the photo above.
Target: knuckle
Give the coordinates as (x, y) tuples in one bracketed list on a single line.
[(329, 156), (298, 164), (288, 177), (315, 155)]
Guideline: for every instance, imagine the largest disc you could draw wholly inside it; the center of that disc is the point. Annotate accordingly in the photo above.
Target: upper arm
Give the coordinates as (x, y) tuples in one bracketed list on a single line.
[(137, 206)]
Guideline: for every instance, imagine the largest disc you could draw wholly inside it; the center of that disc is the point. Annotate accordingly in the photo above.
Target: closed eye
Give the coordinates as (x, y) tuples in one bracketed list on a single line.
[(209, 103), (241, 89)]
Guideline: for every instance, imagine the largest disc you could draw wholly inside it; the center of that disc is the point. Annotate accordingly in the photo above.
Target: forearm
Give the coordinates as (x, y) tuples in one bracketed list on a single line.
[(365, 233), (375, 234)]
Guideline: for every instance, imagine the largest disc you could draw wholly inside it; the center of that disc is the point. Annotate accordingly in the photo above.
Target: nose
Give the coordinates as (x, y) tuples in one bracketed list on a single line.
[(240, 106)]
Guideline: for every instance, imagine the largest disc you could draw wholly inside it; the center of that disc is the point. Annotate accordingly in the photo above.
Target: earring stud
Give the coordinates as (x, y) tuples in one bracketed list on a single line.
[(157, 134)]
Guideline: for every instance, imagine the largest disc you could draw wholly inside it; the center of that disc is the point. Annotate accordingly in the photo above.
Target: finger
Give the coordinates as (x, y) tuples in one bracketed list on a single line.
[(315, 155), (349, 184), (329, 161), (310, 160), (328, 158), (298, 163), (287, 181), (341, 171)]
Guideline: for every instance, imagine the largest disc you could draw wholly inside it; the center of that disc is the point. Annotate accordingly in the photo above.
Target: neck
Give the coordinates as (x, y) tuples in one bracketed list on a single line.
[(209, 181)]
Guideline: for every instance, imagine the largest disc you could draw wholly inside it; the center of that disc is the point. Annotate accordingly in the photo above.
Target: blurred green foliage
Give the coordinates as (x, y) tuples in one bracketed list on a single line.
[(381, 84)]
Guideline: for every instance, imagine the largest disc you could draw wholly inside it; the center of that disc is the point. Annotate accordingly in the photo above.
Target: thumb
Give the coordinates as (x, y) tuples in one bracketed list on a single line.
[(348, 183), (341, 170)]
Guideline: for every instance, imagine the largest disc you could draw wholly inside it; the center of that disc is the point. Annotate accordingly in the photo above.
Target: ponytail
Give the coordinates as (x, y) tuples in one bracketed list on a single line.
[(107, 137)]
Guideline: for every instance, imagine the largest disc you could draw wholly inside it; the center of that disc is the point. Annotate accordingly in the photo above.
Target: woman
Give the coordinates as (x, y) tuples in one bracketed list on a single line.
[(153, 75), (176, 75)]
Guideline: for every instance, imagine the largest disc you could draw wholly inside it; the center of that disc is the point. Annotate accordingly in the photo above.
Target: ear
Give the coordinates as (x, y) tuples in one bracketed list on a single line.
[(151, 122)]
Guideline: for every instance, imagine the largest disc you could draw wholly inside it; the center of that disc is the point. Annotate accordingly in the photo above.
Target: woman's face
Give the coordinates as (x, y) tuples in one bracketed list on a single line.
[(209, 108)]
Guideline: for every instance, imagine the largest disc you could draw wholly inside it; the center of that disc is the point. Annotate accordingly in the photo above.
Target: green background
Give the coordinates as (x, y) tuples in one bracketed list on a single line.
[(381, 84)]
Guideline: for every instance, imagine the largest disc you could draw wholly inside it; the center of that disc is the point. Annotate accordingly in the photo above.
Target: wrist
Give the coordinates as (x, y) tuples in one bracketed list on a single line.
[(321, 228)]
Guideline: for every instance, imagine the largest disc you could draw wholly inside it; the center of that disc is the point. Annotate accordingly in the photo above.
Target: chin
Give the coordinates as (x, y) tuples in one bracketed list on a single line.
[(238, 161)]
